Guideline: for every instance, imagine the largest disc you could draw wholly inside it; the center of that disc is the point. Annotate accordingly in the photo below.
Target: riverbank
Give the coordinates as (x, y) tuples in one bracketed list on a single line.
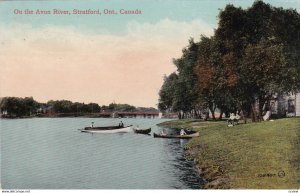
[(261, 155)]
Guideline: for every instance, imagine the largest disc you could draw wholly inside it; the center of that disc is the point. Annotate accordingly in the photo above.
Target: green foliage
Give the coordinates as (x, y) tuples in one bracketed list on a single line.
[(18, 107), (184, 90), (166, 92), (65, 106), (21, 107), (179, 92), (121, 107), (126, 108), (265, 68), (263, 51), (146, 109), (253, 55)]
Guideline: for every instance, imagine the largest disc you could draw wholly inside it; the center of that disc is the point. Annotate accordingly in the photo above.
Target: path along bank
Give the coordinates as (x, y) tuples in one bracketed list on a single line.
[(262, 155)]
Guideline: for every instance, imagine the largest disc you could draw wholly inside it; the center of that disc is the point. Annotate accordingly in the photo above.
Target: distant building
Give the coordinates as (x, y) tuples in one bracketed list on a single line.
[(297, 104), (45, 109), (286, 105)]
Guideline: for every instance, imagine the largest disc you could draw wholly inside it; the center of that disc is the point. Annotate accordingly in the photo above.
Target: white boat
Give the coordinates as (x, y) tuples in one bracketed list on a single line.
[(121, 130)]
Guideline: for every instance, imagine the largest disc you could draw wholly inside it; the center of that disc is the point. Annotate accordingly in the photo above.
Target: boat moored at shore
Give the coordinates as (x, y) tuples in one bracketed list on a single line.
[(142, 131), (188, 136)]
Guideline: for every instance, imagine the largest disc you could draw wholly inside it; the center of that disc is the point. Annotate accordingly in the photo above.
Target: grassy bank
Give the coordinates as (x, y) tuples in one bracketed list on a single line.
[(254, 155)]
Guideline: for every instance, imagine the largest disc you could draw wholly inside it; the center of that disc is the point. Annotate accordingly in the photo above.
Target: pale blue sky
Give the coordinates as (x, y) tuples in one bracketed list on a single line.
[(154, 10)]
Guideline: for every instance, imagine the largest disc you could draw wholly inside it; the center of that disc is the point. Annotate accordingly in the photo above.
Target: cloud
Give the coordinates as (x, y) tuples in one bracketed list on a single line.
[(169, 30), (61, 62)]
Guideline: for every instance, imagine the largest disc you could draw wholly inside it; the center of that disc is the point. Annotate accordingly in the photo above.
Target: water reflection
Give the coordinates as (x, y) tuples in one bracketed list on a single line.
[(184, 168), (53, 154)]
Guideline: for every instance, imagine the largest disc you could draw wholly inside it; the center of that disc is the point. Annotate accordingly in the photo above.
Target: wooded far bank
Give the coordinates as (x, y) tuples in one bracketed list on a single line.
[(15, 107)]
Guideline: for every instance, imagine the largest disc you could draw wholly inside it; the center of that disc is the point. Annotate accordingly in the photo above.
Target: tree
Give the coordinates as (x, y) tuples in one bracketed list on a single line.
[(246, 33), (61, 106), (18, 107), (120, 107), (266, 71), (93, 108), (179, 92), (253, 55)]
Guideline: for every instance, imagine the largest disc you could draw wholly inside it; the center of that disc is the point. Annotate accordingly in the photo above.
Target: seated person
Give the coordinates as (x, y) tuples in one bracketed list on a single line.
[(163, 132), (121, 124), (182, 132)]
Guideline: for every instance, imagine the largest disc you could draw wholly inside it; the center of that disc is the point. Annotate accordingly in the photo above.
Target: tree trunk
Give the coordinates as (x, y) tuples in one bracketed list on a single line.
[(243, 117), (195, 114), (213, 114), (206, 116), (261, 103), (179, 115), (221, 115), (200, 114), (212, 110), (253, 113)]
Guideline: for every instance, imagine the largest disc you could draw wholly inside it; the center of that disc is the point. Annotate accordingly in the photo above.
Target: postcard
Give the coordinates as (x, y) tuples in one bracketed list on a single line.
[(150, 94)]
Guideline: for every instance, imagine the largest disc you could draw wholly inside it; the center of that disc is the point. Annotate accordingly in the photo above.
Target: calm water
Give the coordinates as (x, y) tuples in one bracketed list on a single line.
[(50, 153)]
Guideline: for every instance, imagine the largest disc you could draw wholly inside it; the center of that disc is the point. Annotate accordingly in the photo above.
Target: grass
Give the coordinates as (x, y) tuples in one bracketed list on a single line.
[(246, 156)]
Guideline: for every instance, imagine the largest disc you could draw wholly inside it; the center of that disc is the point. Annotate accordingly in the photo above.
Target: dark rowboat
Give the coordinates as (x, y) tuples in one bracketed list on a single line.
[(142, 131), (102, 128), (188, 136)]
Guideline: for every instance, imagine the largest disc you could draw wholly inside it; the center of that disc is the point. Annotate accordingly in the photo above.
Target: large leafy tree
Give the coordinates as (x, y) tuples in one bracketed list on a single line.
[(185, 90), (253, 54), (216, 77), (266, 71), (18, 107), (179, 91), (166, 93), (263, 40)]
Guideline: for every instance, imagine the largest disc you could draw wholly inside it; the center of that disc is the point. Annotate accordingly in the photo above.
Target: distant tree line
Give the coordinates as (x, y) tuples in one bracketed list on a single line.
[(18, 107), (66, 106), (253, 55), (24, 107)]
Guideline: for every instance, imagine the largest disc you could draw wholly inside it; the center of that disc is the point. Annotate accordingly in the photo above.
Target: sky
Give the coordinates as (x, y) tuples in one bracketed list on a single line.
[(100, 58)]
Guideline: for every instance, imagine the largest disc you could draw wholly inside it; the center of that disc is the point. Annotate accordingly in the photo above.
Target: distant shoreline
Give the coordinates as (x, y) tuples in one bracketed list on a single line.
[(48, 116), (74, 115), (28, 117)]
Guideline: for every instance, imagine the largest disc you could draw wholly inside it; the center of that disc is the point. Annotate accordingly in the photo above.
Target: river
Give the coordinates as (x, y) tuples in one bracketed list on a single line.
[(51, 153)]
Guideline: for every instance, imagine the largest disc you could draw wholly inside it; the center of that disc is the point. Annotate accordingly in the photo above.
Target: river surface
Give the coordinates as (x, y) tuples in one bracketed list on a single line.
[(51, 153)]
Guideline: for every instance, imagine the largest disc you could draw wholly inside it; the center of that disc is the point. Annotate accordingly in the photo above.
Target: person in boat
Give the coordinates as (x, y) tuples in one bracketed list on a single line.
[(121, 124), (163, 131), (182, 132)]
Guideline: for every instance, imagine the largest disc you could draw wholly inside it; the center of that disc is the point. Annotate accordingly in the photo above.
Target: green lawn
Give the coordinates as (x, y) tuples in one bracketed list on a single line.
[(247, 155)]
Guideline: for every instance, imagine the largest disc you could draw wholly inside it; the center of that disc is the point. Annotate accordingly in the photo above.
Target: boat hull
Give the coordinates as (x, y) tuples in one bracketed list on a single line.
[(104, 128), (176, 136), (120, 130), (142, 131)]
